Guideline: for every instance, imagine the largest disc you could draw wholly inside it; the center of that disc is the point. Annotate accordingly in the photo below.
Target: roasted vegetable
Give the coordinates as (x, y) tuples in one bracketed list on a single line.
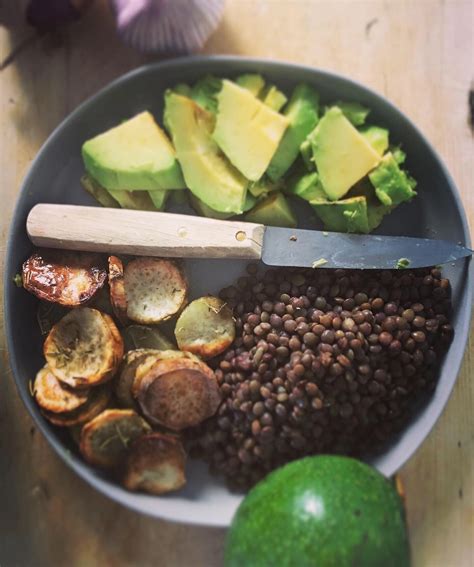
[(178, 392), (67, 278), (156, 290), (124, 380), (155, 464), (205, 327), (97, 402), (105, 440), (84, 349), (54, 396), (145, 337), (118, 297)]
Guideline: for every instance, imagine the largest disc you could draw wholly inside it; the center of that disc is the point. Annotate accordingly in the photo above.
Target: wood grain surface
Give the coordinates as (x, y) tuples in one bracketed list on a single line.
[(420, 54)]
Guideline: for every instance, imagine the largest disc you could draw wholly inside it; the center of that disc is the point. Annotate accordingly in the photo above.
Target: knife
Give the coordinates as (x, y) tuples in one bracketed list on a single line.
[(142, 233)]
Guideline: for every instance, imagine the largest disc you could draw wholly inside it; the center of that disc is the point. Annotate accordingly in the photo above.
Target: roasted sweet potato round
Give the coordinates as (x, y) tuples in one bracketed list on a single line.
[(84, 349), (126, 376), (206, 327), (54, 396), (97, 402), (106, 439), (155, 464), (118, 297), (178, 392), (64, 277), (156, 289)]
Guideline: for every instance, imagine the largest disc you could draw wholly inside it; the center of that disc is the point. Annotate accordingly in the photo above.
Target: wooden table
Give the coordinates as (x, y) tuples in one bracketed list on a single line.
[(418, 53)]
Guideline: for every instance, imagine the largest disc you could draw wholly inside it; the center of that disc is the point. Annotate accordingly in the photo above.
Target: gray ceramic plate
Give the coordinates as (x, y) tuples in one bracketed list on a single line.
[(54, 178)]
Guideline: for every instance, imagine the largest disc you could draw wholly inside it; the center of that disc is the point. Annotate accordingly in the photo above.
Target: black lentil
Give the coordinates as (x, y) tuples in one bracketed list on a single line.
[(323, 361)]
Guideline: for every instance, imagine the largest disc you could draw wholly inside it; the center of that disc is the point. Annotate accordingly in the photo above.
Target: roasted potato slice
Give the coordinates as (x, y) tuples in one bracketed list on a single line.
[(178, 392), (124, 380), (48, 314), (98, 401), (146, 363), (155, 464), (54, 396), (118, 297), (84, 349), (105, 440), (156, 290), (206, 327), (141, 336), (64, 277), (75, 433)]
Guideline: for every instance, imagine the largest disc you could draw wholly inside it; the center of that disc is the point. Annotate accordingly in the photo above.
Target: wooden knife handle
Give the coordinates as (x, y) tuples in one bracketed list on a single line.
[(142, 233)]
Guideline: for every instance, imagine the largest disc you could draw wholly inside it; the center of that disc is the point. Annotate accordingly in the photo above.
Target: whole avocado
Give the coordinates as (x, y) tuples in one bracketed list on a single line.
[(323, 511)]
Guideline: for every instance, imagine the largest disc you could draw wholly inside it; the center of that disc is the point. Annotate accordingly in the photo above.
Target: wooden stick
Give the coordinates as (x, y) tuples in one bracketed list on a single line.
[(98, 229)]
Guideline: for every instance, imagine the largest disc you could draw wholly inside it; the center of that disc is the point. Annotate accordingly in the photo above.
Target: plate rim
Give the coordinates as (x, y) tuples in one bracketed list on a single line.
[(107, 487)]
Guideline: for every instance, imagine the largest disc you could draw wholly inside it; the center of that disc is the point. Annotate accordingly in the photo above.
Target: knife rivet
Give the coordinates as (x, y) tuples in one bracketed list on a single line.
[(182, 232), (241, 236)]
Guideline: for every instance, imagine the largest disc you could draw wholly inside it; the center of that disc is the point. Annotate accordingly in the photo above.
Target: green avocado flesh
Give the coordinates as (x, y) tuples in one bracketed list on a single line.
[(100, 194), (204, 92), (252, 82), (392, 185), (353, 111), (306, 151), (377, 138), (273, 97), (342, 155), (208, 174), (247, 131), (307, 186), (323, 511), (136, 155), (205, 211), (360, 211), (137, 200), (273, 211), (263, 187), (302, 113)]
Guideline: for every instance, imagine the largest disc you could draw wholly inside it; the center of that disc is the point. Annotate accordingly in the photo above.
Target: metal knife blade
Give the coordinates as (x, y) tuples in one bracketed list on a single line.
[(312, 248)]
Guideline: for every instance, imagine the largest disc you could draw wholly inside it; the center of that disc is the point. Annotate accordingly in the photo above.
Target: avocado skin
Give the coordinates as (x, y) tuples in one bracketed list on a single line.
[(324, 511)]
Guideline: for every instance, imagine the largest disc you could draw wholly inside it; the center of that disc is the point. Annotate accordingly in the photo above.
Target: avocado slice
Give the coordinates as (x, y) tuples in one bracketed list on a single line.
[(392, 185), (273, 211), (182, 89), (253, 82), (346, 215), (204, 92), (355, 112), (306, 151), (398, 154), (159, 198), (247, 131), (273, 97), (208, 174), (137, 200), (377, 138), (263, 187), (136, 155), (206, 211), (302, 113), (307, 186), (98, 192), (342, 155)]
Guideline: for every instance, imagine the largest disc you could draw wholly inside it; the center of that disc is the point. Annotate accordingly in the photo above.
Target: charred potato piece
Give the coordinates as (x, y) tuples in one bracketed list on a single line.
[(84, 349), (54, 396), (206, 327), (48, 314), (124, 380), (105, 440), (98, 401), (75, 433), (141, 336), (64, 277), (118, 297), (178, 392), (146, 363), (156, 290), (155, 464)]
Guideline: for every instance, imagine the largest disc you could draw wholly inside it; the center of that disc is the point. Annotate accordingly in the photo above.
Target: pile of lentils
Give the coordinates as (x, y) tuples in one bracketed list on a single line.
[(324, 361)]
